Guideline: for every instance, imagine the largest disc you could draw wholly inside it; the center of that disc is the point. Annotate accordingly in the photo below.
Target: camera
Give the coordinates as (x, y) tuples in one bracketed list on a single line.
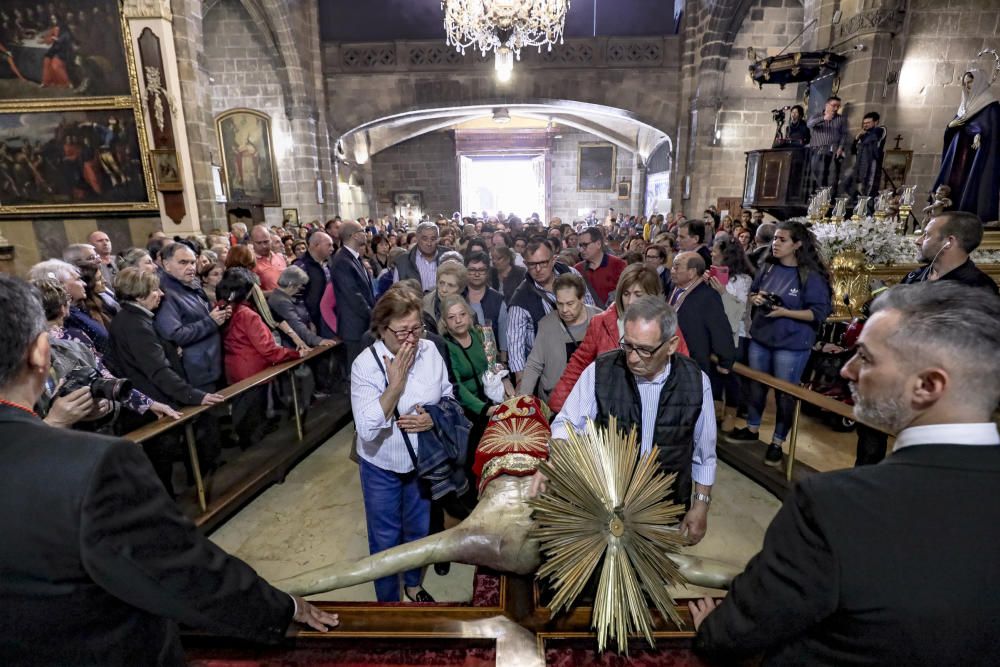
[(113, 389), (778, 115), (771, 301)]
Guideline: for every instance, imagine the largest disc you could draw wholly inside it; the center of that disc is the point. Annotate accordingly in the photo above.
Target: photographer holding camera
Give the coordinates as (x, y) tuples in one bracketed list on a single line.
[(792, 295), (80, 387)]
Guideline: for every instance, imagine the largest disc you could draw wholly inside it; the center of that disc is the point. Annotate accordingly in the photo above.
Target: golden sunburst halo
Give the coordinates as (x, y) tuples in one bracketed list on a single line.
[(518, 434), (605, 505)]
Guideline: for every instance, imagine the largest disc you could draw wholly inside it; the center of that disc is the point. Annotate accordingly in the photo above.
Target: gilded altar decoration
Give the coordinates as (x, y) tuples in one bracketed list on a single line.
[(515, 440), (157, 94), (851, 283), (607, 506)]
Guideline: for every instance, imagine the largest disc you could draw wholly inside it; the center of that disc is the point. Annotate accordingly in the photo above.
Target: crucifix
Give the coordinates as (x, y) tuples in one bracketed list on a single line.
[(897, 139)]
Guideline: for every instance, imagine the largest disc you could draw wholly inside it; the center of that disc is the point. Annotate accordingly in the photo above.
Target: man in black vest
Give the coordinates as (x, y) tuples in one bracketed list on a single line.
[(532, 300), (664, 395), (889, 564)]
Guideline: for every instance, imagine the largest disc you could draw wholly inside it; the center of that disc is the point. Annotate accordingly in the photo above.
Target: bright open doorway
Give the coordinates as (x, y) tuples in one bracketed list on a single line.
[(508, 183)]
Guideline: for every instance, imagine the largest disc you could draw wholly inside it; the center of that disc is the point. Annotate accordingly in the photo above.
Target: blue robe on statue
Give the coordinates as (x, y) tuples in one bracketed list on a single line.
[(973, 174)]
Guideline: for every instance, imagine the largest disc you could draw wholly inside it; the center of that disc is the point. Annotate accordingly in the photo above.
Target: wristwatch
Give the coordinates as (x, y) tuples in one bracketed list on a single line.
[(703, 497)]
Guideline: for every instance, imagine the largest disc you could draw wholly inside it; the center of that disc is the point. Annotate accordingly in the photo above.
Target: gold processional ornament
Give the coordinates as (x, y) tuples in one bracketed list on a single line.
[(605, 506)]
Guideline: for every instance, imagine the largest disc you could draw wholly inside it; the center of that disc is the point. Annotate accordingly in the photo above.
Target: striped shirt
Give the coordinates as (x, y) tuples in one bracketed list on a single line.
[(828, 135), (521, 330), (380, 442), (581, 404), (428, 270)]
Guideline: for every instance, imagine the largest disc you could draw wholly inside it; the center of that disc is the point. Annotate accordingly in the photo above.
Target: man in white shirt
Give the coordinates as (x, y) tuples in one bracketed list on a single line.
[(664, 395), (894, 563)]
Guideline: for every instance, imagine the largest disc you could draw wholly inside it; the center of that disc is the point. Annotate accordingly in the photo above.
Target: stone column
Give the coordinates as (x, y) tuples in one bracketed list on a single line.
[(156, 15)]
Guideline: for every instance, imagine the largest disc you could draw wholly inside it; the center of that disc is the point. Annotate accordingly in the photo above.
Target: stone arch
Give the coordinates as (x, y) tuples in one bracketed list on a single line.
[(272, 22)]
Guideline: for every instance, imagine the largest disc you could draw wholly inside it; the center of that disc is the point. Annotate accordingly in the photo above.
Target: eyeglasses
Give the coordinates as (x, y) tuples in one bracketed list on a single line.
[(537, 265), (584, 244), (641, 352), (404, 334), (476, 271)]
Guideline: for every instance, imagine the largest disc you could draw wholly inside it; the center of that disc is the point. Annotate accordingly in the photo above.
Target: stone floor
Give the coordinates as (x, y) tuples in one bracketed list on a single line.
[(316, 517)]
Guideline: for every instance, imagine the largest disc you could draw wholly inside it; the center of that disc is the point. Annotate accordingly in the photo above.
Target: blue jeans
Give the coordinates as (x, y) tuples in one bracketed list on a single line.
[(395, 512), (784, 365)]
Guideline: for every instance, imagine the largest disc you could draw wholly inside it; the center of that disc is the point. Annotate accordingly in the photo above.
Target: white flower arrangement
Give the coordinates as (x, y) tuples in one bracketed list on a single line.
[(875, 239)]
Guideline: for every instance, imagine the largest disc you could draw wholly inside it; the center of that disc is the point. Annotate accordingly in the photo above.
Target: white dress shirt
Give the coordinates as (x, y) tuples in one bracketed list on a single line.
[(380, 442), (948, 434), (581, 404)]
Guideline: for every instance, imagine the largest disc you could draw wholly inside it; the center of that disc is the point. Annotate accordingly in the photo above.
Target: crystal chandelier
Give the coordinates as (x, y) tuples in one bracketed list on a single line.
[(504, 26)]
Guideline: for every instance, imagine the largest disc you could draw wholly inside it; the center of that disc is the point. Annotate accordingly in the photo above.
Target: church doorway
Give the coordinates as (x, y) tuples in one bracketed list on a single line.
[(509, 183)]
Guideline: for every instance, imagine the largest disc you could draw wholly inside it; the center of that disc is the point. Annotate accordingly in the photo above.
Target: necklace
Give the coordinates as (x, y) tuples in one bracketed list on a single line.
[(19, 407)]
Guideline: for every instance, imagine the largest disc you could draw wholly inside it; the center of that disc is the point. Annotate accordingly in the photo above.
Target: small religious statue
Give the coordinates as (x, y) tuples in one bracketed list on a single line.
[(970, 164), (941, 202)]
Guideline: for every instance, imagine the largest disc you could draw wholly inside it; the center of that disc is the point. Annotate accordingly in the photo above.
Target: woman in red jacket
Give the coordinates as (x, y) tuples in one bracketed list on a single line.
[(606, 329), (249, 347)]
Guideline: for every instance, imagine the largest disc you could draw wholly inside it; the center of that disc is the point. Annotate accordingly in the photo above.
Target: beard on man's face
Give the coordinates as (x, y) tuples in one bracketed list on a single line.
[(888, 413)]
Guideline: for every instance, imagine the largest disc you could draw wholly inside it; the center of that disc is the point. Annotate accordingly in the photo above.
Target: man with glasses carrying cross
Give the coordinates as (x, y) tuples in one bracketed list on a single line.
[(666, 396)]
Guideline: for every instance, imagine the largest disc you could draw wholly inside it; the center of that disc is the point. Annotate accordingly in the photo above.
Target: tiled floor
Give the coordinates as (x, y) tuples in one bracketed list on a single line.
[(316, 517)]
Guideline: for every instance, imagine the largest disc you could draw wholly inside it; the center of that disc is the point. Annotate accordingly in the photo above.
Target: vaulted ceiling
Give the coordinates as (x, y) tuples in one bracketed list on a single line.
[(387, 20)]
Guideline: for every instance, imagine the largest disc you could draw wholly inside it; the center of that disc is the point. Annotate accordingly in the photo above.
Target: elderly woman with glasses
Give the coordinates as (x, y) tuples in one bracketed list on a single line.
[(391, 381)]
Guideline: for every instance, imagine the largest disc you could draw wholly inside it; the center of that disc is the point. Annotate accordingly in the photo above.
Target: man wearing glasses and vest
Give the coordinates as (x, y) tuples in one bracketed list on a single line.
[(664, 395)]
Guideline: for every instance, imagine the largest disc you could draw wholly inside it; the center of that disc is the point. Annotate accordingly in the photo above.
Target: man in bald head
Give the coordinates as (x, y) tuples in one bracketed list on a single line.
[(316, 263), (269, 264), (697, 297), (102, 244)]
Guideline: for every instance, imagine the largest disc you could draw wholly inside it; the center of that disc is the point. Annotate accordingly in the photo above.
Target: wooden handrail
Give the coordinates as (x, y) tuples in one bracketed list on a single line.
[(188, 413), (801, 393)]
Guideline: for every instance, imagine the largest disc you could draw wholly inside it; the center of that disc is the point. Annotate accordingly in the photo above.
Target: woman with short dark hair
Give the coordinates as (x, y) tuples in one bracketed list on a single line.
[(391, 381)]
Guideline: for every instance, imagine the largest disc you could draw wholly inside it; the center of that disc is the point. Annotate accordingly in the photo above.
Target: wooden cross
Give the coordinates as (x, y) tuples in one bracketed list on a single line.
[(897, 139)]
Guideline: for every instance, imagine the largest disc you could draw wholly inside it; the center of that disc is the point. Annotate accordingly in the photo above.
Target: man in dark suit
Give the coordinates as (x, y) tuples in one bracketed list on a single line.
[(701, 316), (98, 565), (315, 262), (353, 289), (890, 564)]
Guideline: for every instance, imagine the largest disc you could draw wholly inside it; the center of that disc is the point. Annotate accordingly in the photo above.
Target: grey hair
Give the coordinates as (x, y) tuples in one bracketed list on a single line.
[(132, 257), (451, 256), (765, 233), (654, 309), (293, 276), (77, 252), (428, 225), (53, 269), (952, 325), (22, 320)]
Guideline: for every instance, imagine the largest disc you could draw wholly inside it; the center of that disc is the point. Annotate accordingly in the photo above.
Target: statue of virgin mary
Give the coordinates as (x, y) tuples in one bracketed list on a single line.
[(970, 164)]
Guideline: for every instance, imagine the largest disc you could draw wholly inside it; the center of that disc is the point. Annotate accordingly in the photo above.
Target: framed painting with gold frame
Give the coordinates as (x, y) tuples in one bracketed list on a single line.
[(596, 168), (166, 170), (72, 131), (248, 160)]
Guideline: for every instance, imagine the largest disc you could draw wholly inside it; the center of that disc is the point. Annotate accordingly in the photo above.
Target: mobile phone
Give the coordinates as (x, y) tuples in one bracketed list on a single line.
[(720, 273)]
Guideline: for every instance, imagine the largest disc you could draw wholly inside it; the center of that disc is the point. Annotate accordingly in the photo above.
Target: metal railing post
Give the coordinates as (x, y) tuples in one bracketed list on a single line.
[(295, 403), (792, 437), (195, 465)]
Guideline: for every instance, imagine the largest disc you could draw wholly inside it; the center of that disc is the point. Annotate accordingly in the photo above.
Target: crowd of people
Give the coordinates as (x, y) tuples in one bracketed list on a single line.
[(635, 319)]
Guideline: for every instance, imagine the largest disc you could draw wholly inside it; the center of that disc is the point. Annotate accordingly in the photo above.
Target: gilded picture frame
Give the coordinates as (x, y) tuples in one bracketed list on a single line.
[(75, 151), (596, 167), (248, 160), (166, 170)]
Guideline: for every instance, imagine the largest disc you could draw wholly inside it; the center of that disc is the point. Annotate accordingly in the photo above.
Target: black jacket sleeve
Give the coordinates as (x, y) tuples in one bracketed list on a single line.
[(787, 588), (719, 331), (149, 358), (136, 544)]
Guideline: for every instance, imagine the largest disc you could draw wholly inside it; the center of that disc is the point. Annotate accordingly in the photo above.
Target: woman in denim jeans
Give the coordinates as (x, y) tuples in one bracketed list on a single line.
[(791, 294)]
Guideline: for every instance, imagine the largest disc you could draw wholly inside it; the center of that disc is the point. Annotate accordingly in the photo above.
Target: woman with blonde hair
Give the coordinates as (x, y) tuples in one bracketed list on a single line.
[(452, 278)]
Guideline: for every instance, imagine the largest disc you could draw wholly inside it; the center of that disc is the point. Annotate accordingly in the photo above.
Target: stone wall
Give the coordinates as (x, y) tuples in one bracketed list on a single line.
[(426, 164), (566, 200), (744, 115)]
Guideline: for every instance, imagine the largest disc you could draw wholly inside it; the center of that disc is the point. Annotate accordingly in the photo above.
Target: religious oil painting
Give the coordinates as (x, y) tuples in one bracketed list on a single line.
[(73, 161), (596, 168), (895, 167), (248, 156), (68, 49), (166, 170)]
